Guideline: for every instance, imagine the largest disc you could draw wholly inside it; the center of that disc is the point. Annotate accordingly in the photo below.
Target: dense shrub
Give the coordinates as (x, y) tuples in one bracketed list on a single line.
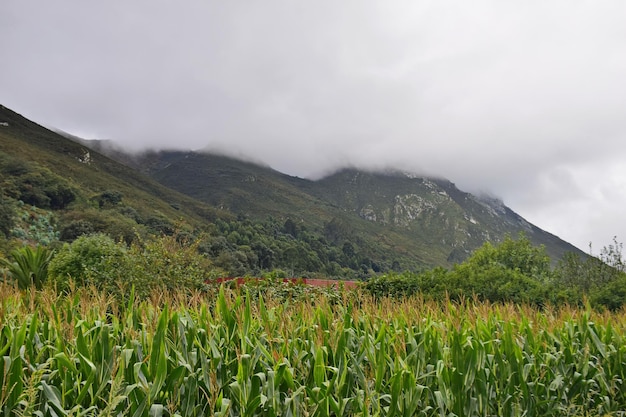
[(91, 260), (162, 262), (109, 198), (514, 271), (612, 295), (166, 262), (74, 224), (7, 216), (75, 229), (41, 188)]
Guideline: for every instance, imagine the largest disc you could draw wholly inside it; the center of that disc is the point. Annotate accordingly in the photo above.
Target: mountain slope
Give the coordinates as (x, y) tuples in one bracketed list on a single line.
[(434, 211), (350, 224), (36, 157), (428, 219)]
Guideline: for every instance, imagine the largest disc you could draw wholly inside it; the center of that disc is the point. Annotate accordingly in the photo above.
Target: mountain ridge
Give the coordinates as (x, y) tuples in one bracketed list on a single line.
[(259, 218), (391, 198)]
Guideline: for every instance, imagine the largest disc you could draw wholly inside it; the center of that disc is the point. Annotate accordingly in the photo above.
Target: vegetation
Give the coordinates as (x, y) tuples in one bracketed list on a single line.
[(7, 213), (516, 271), (230, 354), (28, 267), (98, 261)]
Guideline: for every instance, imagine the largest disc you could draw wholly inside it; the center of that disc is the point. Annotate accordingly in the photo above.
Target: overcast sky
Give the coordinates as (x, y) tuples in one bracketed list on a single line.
[(525, 100)]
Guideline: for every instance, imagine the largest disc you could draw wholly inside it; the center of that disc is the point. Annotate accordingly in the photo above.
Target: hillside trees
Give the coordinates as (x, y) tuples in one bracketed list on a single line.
[(245, 247)]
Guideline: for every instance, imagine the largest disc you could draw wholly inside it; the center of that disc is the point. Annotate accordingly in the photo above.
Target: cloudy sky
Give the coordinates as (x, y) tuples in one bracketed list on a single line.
[(525, 100)]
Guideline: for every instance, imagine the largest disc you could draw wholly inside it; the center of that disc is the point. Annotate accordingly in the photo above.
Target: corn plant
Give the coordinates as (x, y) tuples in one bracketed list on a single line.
[(229, 354)]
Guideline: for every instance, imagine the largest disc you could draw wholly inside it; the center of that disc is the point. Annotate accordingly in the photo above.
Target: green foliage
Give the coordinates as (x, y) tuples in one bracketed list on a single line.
[(28, 267), (243, 247), (76, 223), (91, 260), (7, 215), (157, 263), (167, 263), (35, 226), (36, 185), (85, 354), (512, 271), (601, 278), (109, 198), (612, 295), (515, 271), (512, 254)]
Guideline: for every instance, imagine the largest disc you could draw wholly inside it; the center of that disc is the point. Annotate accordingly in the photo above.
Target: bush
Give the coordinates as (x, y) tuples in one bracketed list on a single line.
[(166, 262), (497, 283), (113, 267), (91, 260), (41, 188), (77, 223), (7, 216), (76, 229), (393, 285), (612, 296), (109, 198), (517, 255)]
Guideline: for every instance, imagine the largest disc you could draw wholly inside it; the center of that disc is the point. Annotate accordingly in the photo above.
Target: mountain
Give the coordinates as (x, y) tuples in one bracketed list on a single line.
[(248, 217), (427, 218)]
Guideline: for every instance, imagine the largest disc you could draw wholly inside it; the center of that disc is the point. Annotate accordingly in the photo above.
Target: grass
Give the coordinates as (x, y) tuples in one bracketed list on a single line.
[(227, 354)]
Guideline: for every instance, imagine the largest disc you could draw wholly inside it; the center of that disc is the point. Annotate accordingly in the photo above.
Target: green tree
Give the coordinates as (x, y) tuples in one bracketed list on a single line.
[(602, 278), (590, 272), (514, 270), (290, 228)]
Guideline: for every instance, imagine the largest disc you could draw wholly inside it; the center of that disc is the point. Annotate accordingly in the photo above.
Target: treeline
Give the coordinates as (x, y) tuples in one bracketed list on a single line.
[(516, 271)]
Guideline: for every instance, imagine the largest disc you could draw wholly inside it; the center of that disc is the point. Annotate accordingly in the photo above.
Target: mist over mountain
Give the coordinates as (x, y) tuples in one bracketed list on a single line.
[(351, 223), (431, 216)]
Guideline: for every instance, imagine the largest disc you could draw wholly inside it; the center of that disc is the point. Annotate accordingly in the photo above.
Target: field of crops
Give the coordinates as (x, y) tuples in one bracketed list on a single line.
[(231, 354)]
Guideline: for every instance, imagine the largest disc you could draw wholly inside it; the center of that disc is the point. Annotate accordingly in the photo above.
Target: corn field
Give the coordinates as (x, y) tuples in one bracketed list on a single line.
[(229, 354)]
